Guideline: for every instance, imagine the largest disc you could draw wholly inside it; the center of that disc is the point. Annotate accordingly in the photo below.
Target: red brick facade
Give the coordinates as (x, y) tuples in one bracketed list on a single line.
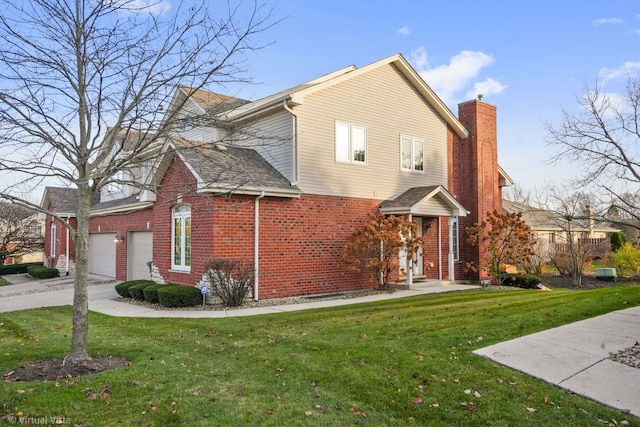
[(301, 239)]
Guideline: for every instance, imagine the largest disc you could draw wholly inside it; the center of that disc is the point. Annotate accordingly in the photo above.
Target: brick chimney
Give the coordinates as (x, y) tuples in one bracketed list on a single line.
[(475, 176)]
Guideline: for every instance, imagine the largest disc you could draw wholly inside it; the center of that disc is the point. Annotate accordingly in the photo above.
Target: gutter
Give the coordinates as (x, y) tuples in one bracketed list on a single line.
[(256, 245)]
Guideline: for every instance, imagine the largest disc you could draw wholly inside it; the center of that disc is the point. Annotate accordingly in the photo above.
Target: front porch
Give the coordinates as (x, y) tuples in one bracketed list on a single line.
[(435, 212)]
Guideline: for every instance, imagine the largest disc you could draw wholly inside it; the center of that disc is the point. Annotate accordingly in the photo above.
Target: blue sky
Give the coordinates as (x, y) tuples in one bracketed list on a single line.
[(530, 58)]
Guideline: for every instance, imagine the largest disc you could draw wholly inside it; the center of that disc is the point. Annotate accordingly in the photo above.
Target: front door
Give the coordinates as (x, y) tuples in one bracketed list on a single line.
[(417, 265)]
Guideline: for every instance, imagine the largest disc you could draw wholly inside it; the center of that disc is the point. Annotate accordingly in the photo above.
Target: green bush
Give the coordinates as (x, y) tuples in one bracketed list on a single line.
[(618, 239), (179, 296), (524, 281), (17, 268), (123, 288), (137, 291), (151, 293), (626, 260), (40, 272)]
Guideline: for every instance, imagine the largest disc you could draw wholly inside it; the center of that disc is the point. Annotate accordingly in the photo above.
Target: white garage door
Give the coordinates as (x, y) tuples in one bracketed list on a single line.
[(140, 252), (102, 254)]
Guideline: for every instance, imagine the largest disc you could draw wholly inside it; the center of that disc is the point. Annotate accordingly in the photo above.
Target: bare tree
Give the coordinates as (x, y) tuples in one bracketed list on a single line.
[(603, 137), (76, 77), (574, 218), (20, 231)]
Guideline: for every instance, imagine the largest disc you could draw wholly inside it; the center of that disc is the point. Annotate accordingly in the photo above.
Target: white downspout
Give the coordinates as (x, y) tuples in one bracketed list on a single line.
[(67, 245), (451, 260), (410, 260), (256, 243), (294, 167), (439, 248)]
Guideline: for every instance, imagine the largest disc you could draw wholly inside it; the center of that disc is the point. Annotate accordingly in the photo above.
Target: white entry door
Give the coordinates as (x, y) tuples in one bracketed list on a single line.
[(417, 265)]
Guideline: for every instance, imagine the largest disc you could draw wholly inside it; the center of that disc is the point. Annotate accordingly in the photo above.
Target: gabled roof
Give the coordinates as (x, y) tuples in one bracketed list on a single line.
[(297, 94), (63, 201), (424, 201), (211, 101), (220, 168)]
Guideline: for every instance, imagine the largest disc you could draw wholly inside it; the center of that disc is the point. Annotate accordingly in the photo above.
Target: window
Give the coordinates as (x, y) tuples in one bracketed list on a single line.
[(53, 240), (351, 143), (455, 243), (411, 154), (181, 237)]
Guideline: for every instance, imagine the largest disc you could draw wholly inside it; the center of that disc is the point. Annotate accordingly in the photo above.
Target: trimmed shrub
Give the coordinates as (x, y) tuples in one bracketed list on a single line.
[(524, 281), (17, 268), (179, 296), (137, 291), (151, 293), (40, 272), (123, 288)]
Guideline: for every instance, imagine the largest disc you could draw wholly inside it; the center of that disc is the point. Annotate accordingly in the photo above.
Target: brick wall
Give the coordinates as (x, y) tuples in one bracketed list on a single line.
[(474, 174)]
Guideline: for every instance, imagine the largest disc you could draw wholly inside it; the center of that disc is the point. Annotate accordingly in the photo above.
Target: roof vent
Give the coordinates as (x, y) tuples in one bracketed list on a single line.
[(220, 147)]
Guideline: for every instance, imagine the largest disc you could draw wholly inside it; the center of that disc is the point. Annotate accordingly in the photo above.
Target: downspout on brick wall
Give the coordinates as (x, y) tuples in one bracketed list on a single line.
[(256, 245)]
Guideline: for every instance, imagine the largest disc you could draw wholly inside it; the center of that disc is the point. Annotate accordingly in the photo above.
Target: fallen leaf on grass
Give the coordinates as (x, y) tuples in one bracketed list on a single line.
[(320, 408), (435, 405), (531, 410), (308, 413), (152, 406), (417, 400)]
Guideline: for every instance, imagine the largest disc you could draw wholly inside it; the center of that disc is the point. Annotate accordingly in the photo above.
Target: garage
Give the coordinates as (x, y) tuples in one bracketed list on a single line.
[(139, 253), (102, 254)]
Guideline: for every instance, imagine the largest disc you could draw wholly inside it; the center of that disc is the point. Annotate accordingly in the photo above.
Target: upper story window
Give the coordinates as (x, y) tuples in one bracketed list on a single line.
[(411, 154), (351, 143), (181, 237)]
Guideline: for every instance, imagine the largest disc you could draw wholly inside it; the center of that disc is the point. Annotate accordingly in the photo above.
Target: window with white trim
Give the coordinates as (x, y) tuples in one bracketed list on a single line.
[(411, 153), (351, 143), (54, 237), (181, 237), (455, 242)]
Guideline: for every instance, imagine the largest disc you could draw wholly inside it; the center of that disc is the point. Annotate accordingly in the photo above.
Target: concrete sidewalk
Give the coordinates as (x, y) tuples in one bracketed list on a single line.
[(26, 293), (576, 358)]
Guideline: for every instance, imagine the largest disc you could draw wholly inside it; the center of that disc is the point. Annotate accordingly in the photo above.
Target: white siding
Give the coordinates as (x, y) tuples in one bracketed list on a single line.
[(274, 141), (386, 104)]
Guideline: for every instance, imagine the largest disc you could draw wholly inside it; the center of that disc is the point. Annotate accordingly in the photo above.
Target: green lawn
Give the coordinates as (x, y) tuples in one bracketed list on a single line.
[(404, 362)]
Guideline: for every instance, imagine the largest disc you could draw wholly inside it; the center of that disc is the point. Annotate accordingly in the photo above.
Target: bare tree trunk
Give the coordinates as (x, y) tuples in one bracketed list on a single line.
[(79, 337)]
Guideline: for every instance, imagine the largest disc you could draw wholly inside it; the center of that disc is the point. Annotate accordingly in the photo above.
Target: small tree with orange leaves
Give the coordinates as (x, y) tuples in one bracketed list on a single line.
[(508, 240), (377, 245)]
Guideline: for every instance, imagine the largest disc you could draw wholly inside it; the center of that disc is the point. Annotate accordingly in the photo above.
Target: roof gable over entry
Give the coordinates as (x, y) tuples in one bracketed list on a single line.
[(424, 201)]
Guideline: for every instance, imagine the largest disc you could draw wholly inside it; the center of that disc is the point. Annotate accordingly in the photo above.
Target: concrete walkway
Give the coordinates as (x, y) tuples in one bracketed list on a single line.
[(574, 356)]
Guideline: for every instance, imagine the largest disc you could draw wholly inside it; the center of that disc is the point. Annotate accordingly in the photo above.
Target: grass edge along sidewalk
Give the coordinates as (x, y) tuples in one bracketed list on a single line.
[(400, 362)]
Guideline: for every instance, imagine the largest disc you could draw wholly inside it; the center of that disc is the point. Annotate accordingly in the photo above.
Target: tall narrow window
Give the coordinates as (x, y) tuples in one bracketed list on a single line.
[(411, 154), (455, 249), (54, 237), (181, 237), (351, 143)]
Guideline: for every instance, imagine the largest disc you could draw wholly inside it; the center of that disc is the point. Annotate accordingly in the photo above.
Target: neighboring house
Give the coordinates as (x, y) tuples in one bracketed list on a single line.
[(21, 234), (552, 231), (318, 158)]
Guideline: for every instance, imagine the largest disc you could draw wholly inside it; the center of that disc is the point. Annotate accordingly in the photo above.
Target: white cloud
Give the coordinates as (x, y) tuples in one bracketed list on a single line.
[(152, 7), (607, 21), (461, 72), (608, 103), (629, 68), (404, 31), (486, 88)]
